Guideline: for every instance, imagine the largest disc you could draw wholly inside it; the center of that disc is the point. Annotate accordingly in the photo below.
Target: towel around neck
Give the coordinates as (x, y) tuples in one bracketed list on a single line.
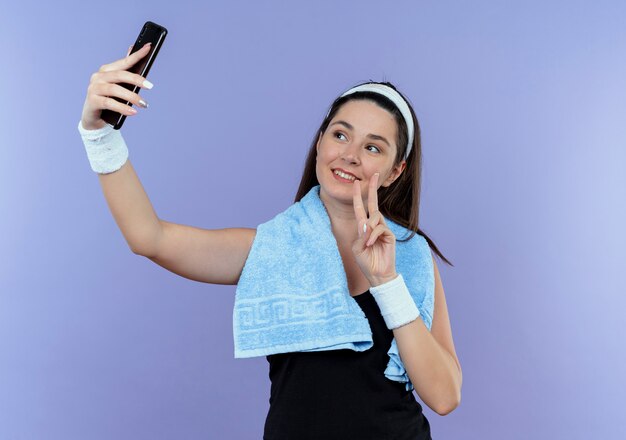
[(293, 292)]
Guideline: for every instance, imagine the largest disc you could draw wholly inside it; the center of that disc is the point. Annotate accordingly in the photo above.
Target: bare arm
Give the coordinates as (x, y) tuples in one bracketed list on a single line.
[(215, 256), (131, 209), (430, 358), (124, 193), (205, 255), (211, 256)]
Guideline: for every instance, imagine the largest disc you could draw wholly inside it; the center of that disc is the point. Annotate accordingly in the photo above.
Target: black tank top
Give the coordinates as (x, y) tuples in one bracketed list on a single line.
[(342, 394)]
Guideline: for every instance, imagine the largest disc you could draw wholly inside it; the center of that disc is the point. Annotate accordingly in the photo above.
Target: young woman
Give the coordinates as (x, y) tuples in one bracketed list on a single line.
[(365, 162)]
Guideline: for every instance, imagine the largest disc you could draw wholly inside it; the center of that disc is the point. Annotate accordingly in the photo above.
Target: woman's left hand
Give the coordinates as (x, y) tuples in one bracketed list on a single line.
[(374, 250)]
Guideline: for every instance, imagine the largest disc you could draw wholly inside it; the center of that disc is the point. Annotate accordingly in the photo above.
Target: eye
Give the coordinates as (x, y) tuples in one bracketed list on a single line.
[(339, 133)]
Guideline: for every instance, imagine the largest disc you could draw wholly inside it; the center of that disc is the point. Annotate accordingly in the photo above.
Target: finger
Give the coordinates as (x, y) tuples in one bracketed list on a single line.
[(377, 232), (372, 223), (129, 49), (106, 102), (127, 62), (359, 210), (121, 76), (114, 90), (372, 195), (377, 218)]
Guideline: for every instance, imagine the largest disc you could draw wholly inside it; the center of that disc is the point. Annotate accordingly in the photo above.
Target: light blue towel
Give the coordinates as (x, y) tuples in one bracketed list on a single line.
[(293, 292)]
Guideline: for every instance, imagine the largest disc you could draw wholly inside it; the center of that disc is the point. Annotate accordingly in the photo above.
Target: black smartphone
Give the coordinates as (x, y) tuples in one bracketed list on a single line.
[(150, 32)]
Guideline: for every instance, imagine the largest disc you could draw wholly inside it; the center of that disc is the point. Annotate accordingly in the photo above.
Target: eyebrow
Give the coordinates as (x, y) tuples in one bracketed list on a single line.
[(371, 136)]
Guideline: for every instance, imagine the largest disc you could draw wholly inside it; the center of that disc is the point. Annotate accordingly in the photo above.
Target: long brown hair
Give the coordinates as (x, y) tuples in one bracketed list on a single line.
[(400, 200)]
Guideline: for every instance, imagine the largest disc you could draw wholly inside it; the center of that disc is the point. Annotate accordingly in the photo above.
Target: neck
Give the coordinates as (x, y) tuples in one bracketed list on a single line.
[(342, 217)]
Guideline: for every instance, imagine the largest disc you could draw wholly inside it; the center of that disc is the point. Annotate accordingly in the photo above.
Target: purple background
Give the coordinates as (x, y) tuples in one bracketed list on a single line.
[(523, 111)]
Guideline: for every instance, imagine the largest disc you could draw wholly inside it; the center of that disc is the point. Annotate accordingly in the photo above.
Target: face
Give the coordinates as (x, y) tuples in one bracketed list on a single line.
[(360, 140)]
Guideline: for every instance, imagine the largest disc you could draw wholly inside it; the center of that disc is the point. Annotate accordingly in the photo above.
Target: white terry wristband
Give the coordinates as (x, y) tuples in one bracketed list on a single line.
[(395, 302), (106, 148)]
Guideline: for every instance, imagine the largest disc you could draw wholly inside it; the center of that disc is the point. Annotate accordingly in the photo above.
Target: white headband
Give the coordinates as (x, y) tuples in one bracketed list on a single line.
[(396, 98)]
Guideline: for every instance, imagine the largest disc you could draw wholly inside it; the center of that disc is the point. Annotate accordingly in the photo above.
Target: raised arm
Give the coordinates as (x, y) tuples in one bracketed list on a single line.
[(211, 256)]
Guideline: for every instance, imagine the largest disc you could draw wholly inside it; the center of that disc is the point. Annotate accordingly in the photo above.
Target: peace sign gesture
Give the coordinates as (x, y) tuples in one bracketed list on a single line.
[(375, 247)]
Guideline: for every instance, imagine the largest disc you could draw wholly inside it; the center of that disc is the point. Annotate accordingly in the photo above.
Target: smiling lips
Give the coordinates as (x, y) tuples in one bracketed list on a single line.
[(343, 176)]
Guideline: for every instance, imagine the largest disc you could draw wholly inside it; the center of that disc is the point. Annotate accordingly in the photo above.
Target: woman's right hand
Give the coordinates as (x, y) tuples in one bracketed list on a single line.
[(103, 86)]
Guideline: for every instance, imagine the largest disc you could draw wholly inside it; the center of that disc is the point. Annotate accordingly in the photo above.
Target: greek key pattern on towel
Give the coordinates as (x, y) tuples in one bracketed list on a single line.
[(258, 314)]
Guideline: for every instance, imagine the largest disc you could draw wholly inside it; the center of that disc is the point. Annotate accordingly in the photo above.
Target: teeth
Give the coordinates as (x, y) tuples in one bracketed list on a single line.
[(345, 176)]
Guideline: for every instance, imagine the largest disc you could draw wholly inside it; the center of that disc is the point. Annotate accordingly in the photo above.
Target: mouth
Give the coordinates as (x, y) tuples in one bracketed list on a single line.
[(344, 176)]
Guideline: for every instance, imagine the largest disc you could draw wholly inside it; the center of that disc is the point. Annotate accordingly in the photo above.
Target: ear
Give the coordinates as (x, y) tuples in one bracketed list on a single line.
[(395, 173), (317, 146)]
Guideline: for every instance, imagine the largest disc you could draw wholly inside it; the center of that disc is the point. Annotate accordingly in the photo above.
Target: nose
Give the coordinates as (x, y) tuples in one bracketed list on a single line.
[(350, 154)]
